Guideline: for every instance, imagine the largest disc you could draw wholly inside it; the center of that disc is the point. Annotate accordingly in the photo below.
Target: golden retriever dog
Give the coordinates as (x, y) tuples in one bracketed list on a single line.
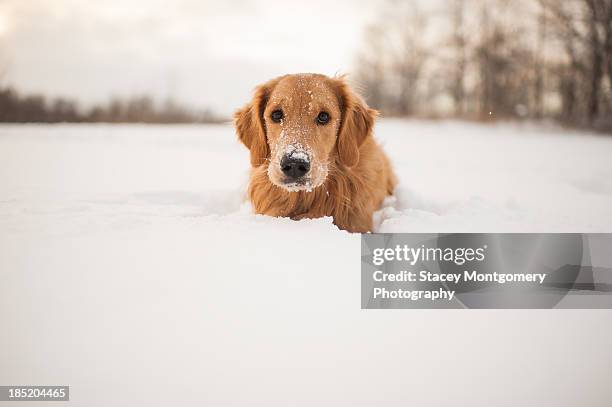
[(312, 151)]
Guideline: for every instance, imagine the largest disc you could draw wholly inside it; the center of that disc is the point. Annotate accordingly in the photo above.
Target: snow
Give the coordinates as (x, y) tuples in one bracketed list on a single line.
[(132, 270), (297, 153)]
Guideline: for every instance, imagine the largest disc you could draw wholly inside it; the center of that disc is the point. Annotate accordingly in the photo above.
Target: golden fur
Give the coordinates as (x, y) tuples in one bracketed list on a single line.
[(350, 174)]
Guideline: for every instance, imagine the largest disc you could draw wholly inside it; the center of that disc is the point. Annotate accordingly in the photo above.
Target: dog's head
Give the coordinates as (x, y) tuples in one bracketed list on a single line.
[(302, 125)]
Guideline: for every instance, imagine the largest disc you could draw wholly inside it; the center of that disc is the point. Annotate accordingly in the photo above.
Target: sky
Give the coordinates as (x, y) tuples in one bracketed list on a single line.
[(206, 54)]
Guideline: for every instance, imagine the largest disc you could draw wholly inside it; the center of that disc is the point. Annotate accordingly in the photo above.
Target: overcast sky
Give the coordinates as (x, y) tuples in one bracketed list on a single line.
[(203, 53)]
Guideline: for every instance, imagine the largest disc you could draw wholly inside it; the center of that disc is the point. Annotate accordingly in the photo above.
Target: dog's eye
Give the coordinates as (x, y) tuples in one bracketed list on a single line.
[(277, 116), (323, 118)]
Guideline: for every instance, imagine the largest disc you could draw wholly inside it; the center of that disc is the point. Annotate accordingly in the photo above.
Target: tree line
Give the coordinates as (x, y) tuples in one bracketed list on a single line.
[(492, 59), (17, 108)]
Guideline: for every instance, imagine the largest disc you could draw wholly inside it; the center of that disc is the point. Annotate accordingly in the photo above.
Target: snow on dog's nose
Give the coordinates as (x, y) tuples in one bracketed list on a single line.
[(295, 162)]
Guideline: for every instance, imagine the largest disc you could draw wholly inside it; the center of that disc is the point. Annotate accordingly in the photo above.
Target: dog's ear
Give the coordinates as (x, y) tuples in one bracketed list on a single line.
[(250, 125), (357, 123)]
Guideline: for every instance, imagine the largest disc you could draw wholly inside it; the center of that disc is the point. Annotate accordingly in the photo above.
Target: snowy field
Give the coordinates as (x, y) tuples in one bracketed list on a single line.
[(131, 270)]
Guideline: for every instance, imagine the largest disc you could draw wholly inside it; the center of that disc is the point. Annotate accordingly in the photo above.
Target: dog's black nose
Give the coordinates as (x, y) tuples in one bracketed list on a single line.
[(294, 167)]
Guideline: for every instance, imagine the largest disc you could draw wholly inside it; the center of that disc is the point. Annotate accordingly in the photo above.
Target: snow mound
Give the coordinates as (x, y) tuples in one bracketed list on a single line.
[(132, 269)]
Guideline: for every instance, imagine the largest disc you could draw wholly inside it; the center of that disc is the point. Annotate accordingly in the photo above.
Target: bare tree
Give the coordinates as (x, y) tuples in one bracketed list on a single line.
[(392, 60), (607, 24), (502, 63), (539, 64), (408, 54), (595, 49), (459, 47), (371, 67)]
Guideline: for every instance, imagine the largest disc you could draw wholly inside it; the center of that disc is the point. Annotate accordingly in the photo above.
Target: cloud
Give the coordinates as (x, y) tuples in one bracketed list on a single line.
[(204, 53)]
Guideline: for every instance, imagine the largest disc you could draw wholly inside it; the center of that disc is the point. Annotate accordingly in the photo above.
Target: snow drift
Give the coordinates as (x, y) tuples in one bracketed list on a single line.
[(132, 270)]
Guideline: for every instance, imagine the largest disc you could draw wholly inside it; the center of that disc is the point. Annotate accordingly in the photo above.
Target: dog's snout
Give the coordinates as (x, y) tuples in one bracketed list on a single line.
[(294, 167)]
